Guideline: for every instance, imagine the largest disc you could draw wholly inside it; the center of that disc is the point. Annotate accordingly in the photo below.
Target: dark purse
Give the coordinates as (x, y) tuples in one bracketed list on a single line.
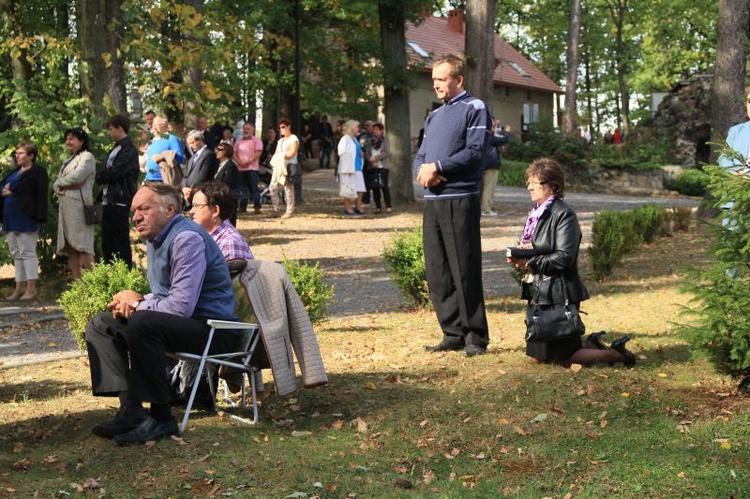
[(553, 323), (378, 182), (92, 213)]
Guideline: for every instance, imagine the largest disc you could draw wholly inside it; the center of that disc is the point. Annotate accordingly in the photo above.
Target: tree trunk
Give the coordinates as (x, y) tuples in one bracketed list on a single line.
[(396, 93), (115, 69), (727, 107), (91, 25), (194, 74), (618, 10), (574, 34), (480, 49)]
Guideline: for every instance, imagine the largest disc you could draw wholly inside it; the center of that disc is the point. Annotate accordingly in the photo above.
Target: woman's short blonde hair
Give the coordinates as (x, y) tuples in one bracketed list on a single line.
[(350, 125)]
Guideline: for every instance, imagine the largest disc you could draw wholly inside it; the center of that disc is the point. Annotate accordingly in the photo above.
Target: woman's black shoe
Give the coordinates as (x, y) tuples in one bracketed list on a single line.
[(619, 346), (595, 339)]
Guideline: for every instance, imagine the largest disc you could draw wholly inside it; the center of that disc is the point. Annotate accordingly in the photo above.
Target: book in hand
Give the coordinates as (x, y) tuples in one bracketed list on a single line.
[(517, 253)]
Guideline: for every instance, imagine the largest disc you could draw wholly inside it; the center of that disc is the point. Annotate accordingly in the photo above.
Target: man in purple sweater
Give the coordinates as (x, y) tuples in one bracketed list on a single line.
[(449, 167)]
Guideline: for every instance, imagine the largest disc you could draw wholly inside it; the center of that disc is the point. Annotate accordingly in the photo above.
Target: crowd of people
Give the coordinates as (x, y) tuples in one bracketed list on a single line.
[(186, 209)]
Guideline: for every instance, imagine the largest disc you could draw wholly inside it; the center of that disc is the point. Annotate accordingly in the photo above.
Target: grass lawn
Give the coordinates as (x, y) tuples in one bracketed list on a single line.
[(398, 422)]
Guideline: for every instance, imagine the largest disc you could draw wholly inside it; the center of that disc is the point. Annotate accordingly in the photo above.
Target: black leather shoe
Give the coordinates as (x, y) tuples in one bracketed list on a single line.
[(124, 421), (473, 350), (619, 346), (444, 346), (150, 429), (596, 340)]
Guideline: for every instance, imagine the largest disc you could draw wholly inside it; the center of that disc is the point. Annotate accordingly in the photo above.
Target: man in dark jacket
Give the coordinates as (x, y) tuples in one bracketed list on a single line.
[(202, 165), (118, 180)]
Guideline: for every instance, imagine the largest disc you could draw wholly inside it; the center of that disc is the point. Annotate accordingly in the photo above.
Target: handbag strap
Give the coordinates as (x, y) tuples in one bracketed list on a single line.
[(80, 191)]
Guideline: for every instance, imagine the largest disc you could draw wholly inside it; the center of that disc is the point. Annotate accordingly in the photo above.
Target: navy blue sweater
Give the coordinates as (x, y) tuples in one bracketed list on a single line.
[(455, 139)]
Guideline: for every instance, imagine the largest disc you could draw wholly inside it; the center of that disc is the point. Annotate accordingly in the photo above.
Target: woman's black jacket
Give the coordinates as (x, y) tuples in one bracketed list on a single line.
[(32, 193), (556, 240)]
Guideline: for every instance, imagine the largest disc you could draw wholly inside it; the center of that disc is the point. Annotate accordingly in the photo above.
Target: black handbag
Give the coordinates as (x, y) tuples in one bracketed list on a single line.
[(92, 213), (553, 323)]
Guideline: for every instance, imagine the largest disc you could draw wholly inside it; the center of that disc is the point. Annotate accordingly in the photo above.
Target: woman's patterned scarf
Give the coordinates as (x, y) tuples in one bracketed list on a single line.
[(531, 221)]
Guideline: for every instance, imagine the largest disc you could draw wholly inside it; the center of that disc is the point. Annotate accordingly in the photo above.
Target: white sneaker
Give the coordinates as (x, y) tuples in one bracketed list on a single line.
[(489, 214)]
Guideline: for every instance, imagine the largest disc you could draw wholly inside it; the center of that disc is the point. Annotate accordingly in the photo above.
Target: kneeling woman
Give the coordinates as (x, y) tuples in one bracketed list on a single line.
[(553, 231)]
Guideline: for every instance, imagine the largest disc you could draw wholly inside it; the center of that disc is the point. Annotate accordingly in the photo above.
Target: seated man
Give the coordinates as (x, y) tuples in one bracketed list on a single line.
[(127, 348)]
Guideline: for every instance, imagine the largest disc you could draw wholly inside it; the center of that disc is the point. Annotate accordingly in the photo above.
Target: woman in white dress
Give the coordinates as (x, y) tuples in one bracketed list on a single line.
[(74, 188)]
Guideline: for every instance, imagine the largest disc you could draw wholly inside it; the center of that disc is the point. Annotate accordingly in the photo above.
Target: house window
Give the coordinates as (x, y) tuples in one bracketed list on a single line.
[(530, 115), (419, 50), (518, 68)]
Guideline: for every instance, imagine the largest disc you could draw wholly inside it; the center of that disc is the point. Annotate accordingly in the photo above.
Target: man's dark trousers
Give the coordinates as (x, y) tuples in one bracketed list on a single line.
[(144, 339), (116, 233), (453, 260)]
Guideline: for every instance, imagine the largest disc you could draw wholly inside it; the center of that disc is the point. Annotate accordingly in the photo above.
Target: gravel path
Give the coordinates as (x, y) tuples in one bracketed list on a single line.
[(347, 248)]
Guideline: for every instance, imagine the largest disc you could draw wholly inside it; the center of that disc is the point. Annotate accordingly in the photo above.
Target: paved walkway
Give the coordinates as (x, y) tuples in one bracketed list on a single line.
[(347, 248)]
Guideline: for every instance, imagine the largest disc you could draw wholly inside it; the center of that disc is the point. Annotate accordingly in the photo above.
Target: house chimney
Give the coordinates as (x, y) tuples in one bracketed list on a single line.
[(456, 21)]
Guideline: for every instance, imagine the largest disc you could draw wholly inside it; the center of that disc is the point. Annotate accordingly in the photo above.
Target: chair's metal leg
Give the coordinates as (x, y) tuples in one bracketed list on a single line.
[(201, 365)]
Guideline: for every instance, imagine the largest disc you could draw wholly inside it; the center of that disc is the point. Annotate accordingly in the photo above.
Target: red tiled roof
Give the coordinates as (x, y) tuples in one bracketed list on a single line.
[(435, 37)]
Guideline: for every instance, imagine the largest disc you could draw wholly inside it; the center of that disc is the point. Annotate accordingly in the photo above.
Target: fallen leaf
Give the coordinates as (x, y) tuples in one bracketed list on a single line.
[(337, 425), (662, 375), (301, 433), (371, 386), (540, 418), (17, 447), (361, 425), (625, 394), (521, 431), (603, 423), (503, 421), (428, 476), (576, 367), (726, 445), (402, 483)]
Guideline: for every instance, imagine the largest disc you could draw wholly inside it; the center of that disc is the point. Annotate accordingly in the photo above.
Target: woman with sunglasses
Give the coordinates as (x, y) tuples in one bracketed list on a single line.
[(285, 168)]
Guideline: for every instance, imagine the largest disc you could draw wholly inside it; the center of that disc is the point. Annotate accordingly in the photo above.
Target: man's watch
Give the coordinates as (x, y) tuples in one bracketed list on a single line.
[(134, 305)]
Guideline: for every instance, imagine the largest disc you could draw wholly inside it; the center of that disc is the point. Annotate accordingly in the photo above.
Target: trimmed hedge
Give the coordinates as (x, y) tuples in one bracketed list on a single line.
[(616, 233)]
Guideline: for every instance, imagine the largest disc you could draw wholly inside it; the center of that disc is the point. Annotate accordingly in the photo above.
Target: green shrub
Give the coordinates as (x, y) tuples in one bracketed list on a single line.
[(511, 173), (404, 260), (720, 313), (90, 294), (689, 182), (610, 233), (648, 220), (308, 282)]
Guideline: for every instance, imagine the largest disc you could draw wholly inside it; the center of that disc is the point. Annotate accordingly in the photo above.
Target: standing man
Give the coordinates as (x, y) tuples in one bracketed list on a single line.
[(738, 140), (190, 283), (247, 151), (164, 155), (491, 164), (325, 138), (449, 167), (365, 142), (119, 181), (201, 166)]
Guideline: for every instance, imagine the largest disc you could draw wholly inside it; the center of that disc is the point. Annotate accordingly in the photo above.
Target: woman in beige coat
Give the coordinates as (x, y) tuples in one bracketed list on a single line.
[(74, 187)]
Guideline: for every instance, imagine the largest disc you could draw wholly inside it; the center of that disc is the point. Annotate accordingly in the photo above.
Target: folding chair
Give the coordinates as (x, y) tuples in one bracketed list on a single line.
[(239, 359)]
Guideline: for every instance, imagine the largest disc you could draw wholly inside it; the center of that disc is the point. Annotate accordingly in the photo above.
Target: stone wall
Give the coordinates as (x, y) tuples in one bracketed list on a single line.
[(645, 183)]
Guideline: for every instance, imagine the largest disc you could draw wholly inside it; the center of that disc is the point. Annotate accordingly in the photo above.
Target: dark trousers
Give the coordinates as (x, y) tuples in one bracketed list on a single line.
[(116, 234), (249, 179), (383, 174), (131, 356), (453, 261), (324, 154)]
